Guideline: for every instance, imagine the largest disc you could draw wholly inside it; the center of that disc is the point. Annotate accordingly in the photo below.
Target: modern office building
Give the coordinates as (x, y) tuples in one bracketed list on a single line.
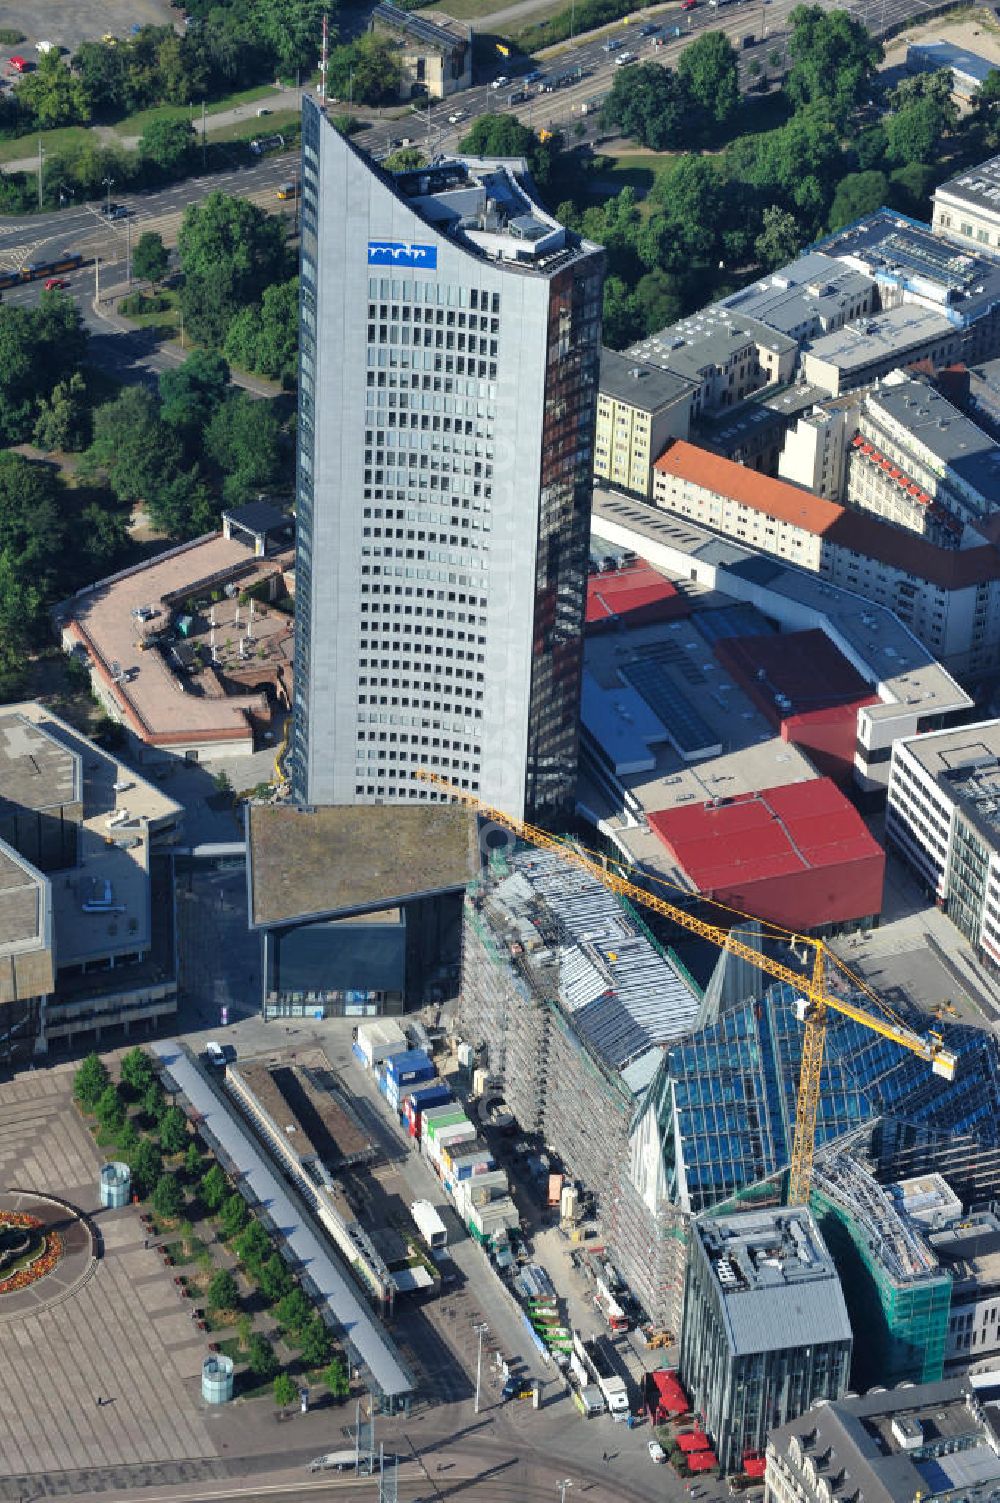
[(450, 353), (766, 1332), (932, 1442), (871, 347), (943, 817)]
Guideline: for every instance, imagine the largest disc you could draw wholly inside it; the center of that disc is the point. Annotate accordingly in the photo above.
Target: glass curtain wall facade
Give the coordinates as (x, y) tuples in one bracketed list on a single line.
[(450, 347)]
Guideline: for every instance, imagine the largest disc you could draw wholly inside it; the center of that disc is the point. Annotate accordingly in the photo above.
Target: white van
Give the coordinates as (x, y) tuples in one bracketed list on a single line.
[(216, 1056)]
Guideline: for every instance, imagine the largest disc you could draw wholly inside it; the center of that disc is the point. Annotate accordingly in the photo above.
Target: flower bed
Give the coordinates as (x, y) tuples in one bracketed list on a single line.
[(45, 1260)]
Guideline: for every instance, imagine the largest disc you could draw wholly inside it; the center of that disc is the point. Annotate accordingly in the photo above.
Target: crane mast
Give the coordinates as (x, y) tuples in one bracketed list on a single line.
[(815, 995)]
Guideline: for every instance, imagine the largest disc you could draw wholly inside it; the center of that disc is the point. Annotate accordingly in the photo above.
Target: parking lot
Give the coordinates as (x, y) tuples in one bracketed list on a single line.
[(87, 21)]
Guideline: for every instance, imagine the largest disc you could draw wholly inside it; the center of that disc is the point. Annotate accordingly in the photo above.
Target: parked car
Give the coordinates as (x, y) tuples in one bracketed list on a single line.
[(656, 1451), (456, 117), (215, 1055), (499, 83), (648, 31), (516, 1388), (54, 284), (625, 57)]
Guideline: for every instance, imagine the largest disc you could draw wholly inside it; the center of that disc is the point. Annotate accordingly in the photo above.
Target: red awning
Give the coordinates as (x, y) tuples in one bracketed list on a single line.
[(754, 1466), (693, 1441), (702, 1461)]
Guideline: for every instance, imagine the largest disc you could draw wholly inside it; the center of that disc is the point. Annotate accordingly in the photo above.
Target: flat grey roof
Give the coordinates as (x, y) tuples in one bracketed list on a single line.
[(979, 186), (334, 1285), (36, 772), (814, 288), (884, 334), (648, 387), (706, 338), (947, 433), (23, 904), (306, 861), (779, 1286)]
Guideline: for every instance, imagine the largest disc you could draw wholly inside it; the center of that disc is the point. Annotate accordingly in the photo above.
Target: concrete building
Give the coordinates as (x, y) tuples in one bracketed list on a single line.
[(967, 207), (766, 1332), (753, 434), (935, 1441), (912, 265), (951, 598), (969, 1252), (812, 296), (814, 452), (192, 652), (724, 357), (435, 56), (943, 817), (913, 692), (861, 352), (920, 463), (450, 347), (341, 935), (640, 407), (968, 70), (86, 896)]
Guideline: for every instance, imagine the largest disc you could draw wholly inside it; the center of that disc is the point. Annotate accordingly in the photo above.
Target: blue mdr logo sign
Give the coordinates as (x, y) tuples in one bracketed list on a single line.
[(402, 253)]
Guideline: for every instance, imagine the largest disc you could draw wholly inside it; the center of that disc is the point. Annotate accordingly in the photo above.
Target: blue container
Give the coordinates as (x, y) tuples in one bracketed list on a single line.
[(434, 1094), (412, 1066)]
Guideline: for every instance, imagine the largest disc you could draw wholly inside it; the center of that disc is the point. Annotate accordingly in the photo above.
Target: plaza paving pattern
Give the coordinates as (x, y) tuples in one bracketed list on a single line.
[(120, 1335)]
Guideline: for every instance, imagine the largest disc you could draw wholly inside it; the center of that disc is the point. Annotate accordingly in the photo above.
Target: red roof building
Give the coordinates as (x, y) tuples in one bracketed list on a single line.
[(799, 856), (636, 596), (807, 689)]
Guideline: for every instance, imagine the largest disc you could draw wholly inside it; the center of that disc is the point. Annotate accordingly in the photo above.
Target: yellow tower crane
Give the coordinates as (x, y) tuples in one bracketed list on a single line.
[(815, 994)]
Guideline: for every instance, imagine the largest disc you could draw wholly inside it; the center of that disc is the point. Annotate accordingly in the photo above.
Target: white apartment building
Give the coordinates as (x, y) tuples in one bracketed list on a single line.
[(967, 207), (949, 598), (943, 817), (813, 453)]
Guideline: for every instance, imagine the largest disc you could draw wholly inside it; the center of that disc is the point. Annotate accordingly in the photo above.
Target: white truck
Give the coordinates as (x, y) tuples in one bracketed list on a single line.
[(598, 1364), (430, 1225)]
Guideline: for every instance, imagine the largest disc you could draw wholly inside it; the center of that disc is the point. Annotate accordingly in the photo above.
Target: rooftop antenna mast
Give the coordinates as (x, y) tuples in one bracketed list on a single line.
[(324, 52)]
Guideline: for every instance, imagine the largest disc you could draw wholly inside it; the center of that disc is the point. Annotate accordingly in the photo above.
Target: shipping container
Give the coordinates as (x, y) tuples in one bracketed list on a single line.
[(430, 1225), (409, 1067), (379, 1039)]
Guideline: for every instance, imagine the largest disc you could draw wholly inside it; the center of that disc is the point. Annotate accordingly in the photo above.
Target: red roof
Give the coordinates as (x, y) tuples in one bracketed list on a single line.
[(799, 856), (692, 1441), (803, 666), (636, 590), (702, 1461), (949, 568)]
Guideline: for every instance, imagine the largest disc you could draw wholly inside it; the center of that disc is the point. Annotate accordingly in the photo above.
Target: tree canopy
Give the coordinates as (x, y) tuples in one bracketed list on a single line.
[(833, 59), (229, 252)]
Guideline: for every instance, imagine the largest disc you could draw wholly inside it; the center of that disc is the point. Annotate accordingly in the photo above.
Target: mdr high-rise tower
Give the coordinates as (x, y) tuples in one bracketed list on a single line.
[(450, 348)]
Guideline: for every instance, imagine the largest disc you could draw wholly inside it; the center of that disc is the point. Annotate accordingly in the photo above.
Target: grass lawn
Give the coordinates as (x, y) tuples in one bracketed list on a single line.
[(186, 1249), (134, 125), (52, 140), (166, 321), (245, 130)]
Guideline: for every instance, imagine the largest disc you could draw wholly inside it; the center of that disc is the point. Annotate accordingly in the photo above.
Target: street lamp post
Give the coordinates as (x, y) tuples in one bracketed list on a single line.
[(562, 1486), (41, 155), (481, 1329), (350, 89), (108, 183)]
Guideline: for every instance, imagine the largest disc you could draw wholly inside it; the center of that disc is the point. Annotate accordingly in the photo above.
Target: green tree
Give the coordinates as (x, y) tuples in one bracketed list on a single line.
[(293, 1311), (368, 71), (173, 1130), (261, 1358), (406, 159), (168, 1197), (52, 95), (857, 194), (147, 1167), (315, 1342), (914, 134), (779, 240), (102, 72), (150, 259), (223, 1291), (498, 136), (650, 104), (337, 1378), (253, 1246), (192, 1161), (110, 1110), (39, 347), (910, 188), (233, 1216), (266, 339), (623, 319), (90, 1081), (63, 420), (285, 1390), (152, 1102), (833, 59), (707, 70), (167, 146), (128, 1140), (274, 1278), (229, 251), (213, 1188), (190, 393), (133, 446), (658, 294), (21, 607), (136, 1072), (243, 442), (291, 30)]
